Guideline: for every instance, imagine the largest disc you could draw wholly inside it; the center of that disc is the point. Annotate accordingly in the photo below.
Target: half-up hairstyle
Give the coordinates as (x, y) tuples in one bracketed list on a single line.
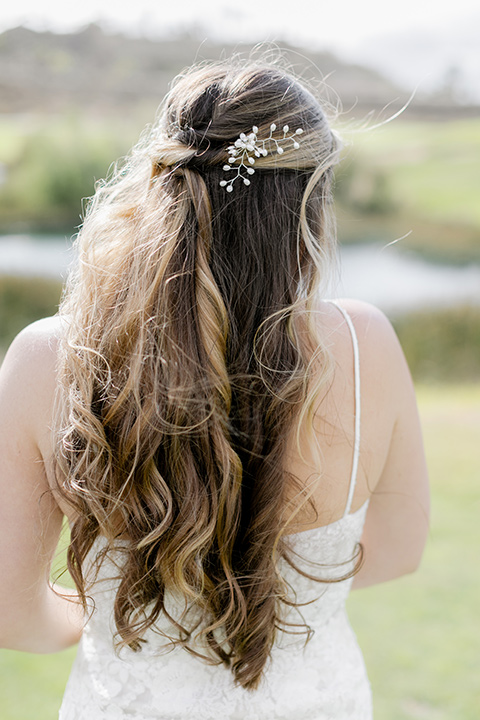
[(185, 365)]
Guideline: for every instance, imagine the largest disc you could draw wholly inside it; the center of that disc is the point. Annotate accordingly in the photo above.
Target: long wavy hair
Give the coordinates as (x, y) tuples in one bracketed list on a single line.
[(187, 359)]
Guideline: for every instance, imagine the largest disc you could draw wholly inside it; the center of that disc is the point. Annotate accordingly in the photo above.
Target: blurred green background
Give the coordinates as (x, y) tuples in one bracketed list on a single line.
[(421, 172)]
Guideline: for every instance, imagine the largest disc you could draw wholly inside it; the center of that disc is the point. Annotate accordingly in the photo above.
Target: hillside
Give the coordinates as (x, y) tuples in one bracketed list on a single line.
[(103, 73)]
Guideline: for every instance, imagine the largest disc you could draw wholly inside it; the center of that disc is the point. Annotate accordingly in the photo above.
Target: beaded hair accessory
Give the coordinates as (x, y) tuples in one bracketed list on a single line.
[(248, 147)]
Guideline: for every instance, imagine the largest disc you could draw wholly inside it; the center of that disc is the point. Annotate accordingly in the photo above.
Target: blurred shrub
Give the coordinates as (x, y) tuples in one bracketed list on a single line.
[(24, 300), (364, 189), (442, 345), (56, 167)]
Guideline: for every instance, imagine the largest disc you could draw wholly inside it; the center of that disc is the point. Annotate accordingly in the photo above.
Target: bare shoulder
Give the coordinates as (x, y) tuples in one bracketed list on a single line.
[(28, 375), (376, 335), (41, 334), (384, 370), (368, 320), (35, 348)]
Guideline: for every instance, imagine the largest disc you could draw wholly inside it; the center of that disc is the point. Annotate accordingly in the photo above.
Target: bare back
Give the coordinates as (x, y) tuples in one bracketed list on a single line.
[(336, 414)]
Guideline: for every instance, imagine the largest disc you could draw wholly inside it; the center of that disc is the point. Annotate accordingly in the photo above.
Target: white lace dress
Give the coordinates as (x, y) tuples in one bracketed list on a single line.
[(324, 679)]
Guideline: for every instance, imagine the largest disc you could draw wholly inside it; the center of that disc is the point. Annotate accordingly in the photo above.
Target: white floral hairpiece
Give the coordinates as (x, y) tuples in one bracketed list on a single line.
[(248, 147)]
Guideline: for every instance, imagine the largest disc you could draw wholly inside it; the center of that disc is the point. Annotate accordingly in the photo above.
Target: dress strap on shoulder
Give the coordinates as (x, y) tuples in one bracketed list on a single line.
[(356, 365)]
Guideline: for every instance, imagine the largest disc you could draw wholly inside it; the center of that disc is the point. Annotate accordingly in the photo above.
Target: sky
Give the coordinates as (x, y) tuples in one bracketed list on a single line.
[(416, 42)]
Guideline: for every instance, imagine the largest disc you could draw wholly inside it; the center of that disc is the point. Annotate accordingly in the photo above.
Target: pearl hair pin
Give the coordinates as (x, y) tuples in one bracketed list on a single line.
[(248, 147)]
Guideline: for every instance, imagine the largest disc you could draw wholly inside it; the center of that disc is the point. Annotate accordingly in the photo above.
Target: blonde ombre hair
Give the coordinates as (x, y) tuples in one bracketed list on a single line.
[(184, 366)]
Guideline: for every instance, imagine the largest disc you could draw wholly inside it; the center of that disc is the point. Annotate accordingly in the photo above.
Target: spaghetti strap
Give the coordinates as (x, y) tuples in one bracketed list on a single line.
[(356, 445)]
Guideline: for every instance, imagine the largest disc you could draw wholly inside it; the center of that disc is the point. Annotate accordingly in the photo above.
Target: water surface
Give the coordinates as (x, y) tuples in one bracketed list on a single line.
[(386, 276)]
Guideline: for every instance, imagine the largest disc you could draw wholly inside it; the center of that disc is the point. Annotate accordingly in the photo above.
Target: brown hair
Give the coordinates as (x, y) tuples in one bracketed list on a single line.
[(182, 368)]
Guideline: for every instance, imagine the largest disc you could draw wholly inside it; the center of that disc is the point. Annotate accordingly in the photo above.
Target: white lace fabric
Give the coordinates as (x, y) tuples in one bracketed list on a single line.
[(324, 679)]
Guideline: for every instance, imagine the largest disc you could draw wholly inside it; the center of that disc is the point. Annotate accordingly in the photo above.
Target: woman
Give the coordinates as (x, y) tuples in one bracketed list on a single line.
[(231, 450)]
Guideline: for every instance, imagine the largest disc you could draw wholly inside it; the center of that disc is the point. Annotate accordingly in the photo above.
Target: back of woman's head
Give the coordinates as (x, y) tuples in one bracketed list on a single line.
[(185, 366)]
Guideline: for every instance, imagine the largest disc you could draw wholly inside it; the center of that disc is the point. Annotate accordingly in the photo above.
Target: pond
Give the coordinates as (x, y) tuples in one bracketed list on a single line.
[(393, 279)]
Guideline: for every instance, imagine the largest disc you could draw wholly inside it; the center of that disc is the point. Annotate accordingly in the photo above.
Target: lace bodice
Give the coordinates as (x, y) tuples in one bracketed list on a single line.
[(324, 679)]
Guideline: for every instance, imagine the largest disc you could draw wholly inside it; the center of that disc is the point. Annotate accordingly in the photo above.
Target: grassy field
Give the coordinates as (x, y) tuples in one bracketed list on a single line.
[(435, 166), (411, 177), (420, 634)]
